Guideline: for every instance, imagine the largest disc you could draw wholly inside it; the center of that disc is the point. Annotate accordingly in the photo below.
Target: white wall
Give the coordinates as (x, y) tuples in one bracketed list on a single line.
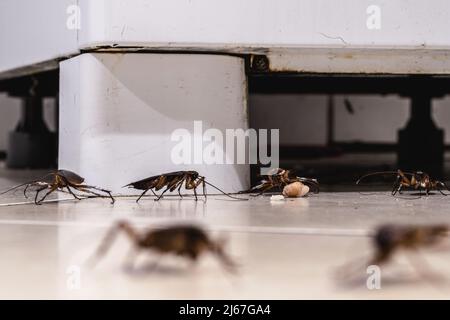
[(441, 108), (119, 113), (376, 118), (302, 118), (264, 23), (34, 32)]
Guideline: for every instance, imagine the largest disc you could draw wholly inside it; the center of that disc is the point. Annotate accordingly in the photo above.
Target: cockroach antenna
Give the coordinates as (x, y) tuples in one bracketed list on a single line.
[(379, 173), (26, 184), (227, 194), (15, 187)]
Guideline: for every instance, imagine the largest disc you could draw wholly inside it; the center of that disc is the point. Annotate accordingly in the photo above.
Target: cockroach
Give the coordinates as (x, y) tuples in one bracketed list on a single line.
[(414, 180), (388, 239), (172, 181), (187, 241), (60, 180), (279, 178)]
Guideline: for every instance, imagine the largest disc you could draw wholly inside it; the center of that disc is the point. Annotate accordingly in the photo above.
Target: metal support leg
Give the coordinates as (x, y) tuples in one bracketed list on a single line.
[(31, 144), (421, 143)]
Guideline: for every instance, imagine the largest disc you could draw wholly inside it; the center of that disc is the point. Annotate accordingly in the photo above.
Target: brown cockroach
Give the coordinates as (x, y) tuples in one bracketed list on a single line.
[(390, 238), (416, 180), (182, 240), (172, 181), (279, 178), (60, 180)]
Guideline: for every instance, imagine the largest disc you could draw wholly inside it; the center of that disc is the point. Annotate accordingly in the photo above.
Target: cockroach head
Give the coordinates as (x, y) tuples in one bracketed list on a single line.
[(385, 236), (122, 223), (194, 174), (422, 175), (441, 229)]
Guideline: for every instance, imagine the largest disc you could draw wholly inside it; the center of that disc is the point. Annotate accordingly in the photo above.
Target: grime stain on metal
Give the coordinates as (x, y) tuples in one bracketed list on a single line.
[(259, 63)]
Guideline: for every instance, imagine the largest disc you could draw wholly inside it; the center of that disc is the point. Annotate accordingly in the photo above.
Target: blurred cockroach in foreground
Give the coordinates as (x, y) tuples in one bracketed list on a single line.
[(279, 178), (416, 180), (183, 240), (61, 179), (389, 239), (172, 181)]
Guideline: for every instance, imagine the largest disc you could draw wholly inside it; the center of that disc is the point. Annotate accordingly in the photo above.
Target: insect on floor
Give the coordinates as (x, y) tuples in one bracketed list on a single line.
[(285, 249)]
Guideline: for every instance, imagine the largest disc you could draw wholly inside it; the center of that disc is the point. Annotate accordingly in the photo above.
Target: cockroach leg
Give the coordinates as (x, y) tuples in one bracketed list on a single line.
[(37, 194), (161, 195), (99, 189), (195, 194), (52, 189), (25, 190), (142, 194), (180, 185), (91, 192), (72, 193), (441, 185), (396, 186), (204, 188), (95, 194)]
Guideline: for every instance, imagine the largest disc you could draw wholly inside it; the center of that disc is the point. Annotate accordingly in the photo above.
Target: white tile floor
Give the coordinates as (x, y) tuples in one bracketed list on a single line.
[(289, 249)]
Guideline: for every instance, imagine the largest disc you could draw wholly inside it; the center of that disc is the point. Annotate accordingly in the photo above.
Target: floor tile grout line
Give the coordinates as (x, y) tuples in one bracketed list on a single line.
[(231, 229)]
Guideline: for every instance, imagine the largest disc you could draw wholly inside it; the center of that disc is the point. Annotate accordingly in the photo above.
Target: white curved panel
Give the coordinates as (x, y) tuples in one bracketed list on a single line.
[(33, 32), (118, 113), (264, 23)]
